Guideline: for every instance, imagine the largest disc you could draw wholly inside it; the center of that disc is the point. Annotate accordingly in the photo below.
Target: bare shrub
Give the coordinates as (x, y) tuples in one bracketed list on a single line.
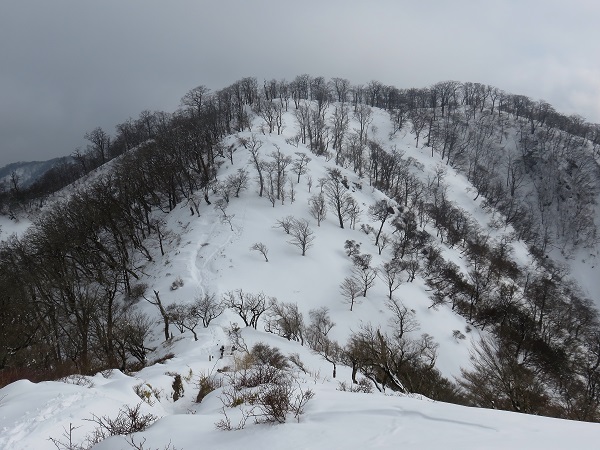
[(262, 387), (177, 386), (363, 385), (79, 380), (225, 423), (458, 335), (177, 283), (129, 420), (137, 291), (141, 445), (264, 354), (163, 359), (147, 393), (68, 441), (206, 384), (234, 333)]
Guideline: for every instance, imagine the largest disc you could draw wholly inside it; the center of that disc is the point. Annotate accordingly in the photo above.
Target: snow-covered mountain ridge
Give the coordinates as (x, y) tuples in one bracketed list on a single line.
[(209, 253)]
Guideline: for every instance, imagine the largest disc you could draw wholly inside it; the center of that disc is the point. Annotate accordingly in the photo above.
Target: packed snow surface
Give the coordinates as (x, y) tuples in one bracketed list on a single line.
[(32, 413)]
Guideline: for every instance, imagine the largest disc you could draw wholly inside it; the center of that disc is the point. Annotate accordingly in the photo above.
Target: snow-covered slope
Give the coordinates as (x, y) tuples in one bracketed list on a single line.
[(29, 172), (333, 419), (9, 226), (210, 256)]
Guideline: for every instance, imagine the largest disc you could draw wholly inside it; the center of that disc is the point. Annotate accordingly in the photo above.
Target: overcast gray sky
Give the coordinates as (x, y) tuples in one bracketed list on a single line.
[(68, 66)]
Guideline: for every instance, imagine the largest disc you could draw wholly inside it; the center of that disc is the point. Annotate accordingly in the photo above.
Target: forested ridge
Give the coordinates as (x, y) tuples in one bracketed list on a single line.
[(70, 284)]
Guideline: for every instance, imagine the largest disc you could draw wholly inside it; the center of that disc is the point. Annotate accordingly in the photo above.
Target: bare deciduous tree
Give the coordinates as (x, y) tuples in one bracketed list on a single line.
[(208, 308), (221, 205), (184, 317), (364, 115), (285, 320), (318, 208), (286, 223), (403, 319), (279, 163), (341, 87), (365, 276), (380, 212), (262, 248), (390, 274), (339, 121), (384, 240), (163, 312), (352, 210), (99, 144), (253, 144), (318, 340), (237, 182), (419, 120), (292, 190), (193, 99), (302, 236), (246, 305), (204, 309), (336, 187), (299, 165), (350, 288), (499, 380)]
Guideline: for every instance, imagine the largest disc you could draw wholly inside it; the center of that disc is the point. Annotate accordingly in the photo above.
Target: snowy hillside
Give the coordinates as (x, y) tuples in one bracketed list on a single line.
[(208, 251), (333, 419), (26, 173), (8, 227)]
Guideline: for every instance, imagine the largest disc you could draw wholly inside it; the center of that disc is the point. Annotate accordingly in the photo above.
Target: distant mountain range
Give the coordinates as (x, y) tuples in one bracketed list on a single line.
[(29, 172)]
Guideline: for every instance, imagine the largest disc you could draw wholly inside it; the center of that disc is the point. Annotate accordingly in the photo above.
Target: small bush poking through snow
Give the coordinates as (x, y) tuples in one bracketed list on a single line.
[(129, 420), (137, 291), (458, 335), (163, 359), (147, 393), (177, 283), (363, 385), (262, 387), (265, 355), (177, 387), (78, 380), (206, 384)]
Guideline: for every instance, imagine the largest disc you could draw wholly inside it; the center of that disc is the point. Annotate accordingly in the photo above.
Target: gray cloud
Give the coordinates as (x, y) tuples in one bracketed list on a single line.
[(68, 66)]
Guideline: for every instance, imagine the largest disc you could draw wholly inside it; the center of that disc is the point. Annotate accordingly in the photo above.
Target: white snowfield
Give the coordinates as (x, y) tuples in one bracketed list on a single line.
[(31, 413), (211, 258)]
